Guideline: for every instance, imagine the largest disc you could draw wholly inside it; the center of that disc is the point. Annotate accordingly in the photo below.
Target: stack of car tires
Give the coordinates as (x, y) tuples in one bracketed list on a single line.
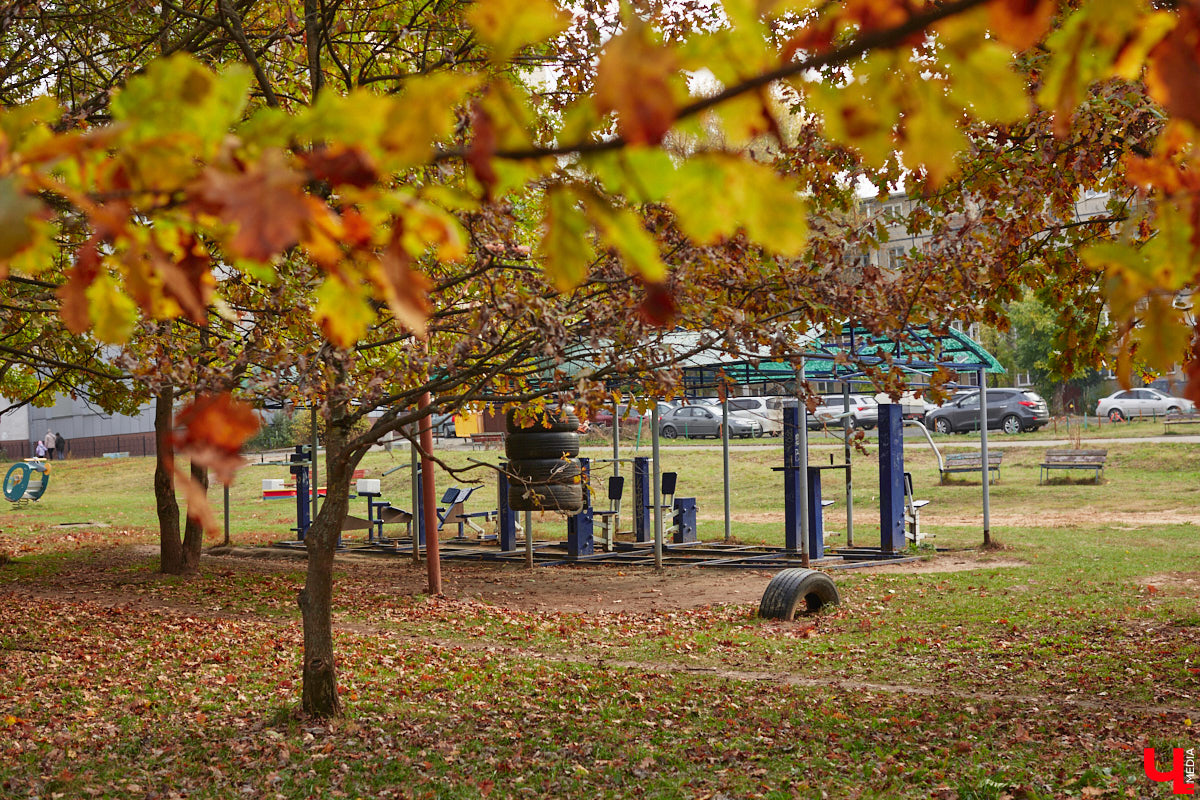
[(543, 471)]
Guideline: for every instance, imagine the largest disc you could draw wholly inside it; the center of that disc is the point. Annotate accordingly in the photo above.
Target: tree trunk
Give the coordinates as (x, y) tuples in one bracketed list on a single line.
[(171, 558), (320, 695), (193, 530)]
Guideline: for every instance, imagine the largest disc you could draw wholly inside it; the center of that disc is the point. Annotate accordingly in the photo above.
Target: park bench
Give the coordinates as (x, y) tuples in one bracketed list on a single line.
[(1180, 418), (486, 439), (1073, 459), (971, 462)]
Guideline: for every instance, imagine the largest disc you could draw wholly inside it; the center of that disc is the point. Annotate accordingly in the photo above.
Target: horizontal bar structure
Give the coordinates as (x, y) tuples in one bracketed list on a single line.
[(699, 554)]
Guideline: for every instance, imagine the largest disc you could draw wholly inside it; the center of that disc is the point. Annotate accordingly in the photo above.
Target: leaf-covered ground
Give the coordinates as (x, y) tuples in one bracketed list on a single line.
[(1041, 680)]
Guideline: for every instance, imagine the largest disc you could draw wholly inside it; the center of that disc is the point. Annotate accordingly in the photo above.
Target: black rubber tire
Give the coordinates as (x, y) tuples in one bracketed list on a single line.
[(791, 587), (1116, 415), (544, 471), (538, 444), (552, 420), (942, 425), (1174, 410), (546, 497), (669, 432), (1011, 424)]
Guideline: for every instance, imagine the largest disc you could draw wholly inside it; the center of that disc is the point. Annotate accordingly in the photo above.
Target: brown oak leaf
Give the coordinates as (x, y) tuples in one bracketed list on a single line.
[(265, 204), (73, 292), (1173, 67), (633, 80), (1021, 23)]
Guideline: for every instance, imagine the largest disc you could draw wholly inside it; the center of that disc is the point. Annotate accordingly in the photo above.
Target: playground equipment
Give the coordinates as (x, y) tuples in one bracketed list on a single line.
[(26, 481), (543, 473)]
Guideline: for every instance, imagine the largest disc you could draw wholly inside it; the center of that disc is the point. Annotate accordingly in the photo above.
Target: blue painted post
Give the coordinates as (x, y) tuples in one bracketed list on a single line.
[(791, 478), (641, 500), (580, 541), (891, 478), (299, 468), (506, 517), (816, 514), (684, 520)]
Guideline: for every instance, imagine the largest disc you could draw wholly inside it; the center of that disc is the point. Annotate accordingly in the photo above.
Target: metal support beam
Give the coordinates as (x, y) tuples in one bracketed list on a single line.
[(983, 457)]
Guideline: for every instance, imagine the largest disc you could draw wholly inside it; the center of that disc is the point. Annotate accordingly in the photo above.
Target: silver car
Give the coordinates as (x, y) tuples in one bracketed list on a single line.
[(864, 412), (702, 420), (1145, 402)]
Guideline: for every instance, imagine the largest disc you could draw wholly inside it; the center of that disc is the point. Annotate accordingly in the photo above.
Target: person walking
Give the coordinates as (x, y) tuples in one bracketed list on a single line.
[(60, 445), (49, 441), (40, 450)]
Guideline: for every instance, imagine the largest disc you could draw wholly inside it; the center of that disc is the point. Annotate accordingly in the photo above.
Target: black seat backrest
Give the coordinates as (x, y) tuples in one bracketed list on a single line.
[(908, 490), (616, 487), (450, 496), (668, 483)]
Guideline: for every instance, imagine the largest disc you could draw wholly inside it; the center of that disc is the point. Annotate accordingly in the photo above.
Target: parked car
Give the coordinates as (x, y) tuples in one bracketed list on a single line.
[(1144, 402), (770, 419), (443, 425), (864, 412), (1009, 410), (699, 421), (911, 406)]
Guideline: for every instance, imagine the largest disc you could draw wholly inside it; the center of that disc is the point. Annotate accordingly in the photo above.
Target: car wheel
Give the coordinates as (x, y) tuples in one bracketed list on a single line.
[(669, 432), (1116, 415), (942, 425), (759, 435), (1011, 424), (1174, 410)]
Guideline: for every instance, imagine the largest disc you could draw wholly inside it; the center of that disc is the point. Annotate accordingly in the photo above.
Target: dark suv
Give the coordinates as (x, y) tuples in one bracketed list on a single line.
[(1010, 410)]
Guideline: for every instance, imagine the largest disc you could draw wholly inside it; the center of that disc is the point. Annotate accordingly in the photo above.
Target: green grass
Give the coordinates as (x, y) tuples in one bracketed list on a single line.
[(1042, 672)]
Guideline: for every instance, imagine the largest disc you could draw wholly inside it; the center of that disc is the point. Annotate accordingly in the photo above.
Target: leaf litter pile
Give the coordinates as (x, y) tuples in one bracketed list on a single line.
[(117, 682)]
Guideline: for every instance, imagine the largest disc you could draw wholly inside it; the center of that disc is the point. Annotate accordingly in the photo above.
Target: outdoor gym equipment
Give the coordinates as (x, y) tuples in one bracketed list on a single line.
[(26, 481)]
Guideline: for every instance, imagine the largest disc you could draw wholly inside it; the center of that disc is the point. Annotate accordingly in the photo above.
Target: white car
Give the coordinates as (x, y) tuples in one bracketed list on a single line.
[(1143, 402), (760, 409)]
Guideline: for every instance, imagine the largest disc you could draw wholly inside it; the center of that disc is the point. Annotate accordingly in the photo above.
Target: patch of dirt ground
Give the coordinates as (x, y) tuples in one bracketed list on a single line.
[(569, 589)]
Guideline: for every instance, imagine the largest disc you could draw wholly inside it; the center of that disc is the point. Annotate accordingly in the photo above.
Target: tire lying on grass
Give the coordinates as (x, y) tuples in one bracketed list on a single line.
[(536, 444), (791, 587)]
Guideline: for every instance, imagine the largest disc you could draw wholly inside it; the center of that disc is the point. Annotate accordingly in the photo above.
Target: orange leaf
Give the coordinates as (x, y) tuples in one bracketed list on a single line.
[(633, 79), (404, 288), (213, 430), (196, 496), (73, 293), (1021, 23), (1173, 70), (658, 308), (483, 147), (265, 204)]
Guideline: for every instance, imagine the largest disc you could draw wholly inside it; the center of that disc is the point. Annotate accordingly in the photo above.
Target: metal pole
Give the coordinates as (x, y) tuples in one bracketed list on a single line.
[(657, 488), (725, 459), (315, 481), (983, 457), (429, 495), (416, 502), (226, 515), (529, 539), (616, 440), (849, 479), (803, 464)]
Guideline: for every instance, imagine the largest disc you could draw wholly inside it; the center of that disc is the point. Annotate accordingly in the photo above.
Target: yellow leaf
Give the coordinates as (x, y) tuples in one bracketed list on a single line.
[(342, 312), (623, 229), (112, 313), (932, 137), (508, 25), (424, 113), (566, 251), (985, 82)]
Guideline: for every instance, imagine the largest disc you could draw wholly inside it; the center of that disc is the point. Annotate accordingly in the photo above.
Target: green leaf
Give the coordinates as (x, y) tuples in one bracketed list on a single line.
[(643, 174), (112, 312), (18, 212), (566, 251), (508, 25), (716, 195)]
